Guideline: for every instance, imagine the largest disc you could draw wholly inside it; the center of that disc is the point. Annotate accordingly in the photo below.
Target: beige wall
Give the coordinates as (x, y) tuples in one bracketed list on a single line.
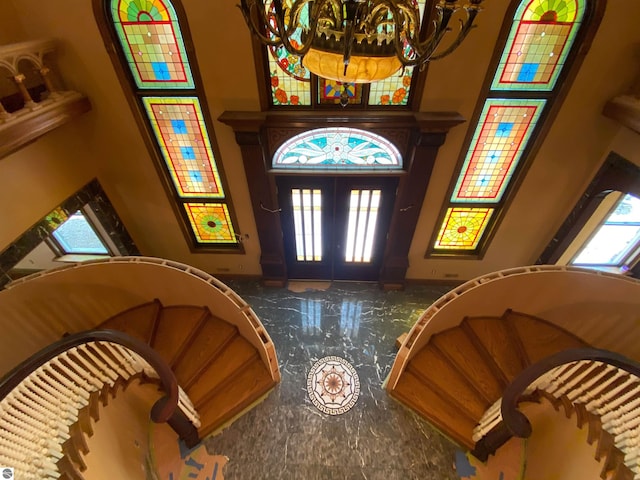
[(118, 151), (35, 179), (111, 146), (11, 30), (571, 154), (120, 445)]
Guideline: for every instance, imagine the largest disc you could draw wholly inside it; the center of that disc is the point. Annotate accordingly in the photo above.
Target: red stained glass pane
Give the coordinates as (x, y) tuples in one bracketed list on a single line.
[(182, 135), (500, 137)]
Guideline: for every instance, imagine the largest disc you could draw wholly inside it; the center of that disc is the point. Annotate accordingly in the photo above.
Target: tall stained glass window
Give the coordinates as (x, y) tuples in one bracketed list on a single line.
[(151, 41), (542, 35)]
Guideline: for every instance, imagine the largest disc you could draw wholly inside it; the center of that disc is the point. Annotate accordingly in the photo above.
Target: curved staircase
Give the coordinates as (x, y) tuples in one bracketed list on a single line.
[(460, 372), (220, 371)]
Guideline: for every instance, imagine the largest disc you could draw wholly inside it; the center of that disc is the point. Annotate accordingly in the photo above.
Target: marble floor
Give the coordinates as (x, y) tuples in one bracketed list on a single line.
[(287, 437)]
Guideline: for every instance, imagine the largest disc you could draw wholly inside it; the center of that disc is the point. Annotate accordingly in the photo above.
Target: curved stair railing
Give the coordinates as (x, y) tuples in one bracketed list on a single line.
[(48, 397), (201, 287), (601, 387)]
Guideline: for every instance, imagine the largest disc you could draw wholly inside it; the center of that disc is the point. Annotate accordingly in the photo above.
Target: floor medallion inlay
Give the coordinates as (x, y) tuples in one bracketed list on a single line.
[(333, 385)]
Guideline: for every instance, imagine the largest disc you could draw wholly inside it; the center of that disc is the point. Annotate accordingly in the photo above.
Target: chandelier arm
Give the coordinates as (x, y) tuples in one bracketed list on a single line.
[(294, 16), (465, 28), (398, 15), (424, 50), (257, 30)]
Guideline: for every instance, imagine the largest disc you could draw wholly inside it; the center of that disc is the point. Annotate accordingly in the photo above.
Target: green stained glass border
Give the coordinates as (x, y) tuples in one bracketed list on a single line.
[(161, 24), (568, 12), (522, 139), (188, 158)]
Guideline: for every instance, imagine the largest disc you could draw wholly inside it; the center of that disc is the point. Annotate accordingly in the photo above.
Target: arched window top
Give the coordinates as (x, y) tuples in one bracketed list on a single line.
[(540, 39), (152, 43), (337, 148)]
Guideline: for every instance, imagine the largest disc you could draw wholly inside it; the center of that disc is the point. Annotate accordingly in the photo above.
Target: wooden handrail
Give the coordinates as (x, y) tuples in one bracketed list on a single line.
[(164, 410), (514, 420)]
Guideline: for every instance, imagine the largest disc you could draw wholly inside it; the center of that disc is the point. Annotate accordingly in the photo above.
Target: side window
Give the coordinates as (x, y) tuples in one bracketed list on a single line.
[(78, 236), (613, 243)]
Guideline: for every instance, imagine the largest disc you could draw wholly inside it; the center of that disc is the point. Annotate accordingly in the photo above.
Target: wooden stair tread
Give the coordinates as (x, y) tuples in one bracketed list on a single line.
[(434, 369), (212, 335), (138, 321), (461, 352), (232, 397), (445, 416), (494, 335), (237, 353), (539, 338), (175, 325)]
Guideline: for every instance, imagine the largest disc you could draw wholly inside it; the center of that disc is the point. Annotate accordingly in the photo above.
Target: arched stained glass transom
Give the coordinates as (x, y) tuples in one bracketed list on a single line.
[(541, 37), (339, 149), (151, 41)]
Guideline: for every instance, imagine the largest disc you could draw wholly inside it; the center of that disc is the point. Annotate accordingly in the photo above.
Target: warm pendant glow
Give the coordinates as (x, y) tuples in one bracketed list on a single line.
[(359, 70), (373, 38)]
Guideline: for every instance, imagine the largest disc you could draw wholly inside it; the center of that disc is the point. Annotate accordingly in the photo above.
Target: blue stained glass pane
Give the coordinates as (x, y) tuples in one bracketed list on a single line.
[(528, 72), (161, 71), (504, 129), (337, 148), (195, 175), (188, 153), (492, 156), (179, 127)]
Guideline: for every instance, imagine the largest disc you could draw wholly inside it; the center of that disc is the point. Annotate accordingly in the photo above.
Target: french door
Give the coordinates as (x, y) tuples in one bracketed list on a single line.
[(335, 228)]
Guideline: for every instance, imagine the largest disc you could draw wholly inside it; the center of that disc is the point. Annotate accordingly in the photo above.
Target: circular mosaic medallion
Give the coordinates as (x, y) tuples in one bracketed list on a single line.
[(333, 385)]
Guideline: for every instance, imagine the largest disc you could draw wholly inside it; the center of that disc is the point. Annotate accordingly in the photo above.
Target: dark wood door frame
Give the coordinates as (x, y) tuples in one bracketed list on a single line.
[(418, 136)]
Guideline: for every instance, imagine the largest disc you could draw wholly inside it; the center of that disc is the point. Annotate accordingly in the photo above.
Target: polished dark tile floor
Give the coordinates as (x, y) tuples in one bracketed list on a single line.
[(287, 437)]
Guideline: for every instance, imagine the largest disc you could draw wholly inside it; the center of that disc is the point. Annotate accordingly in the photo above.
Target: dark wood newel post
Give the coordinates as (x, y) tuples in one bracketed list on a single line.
[(430, 135), (248, 128)]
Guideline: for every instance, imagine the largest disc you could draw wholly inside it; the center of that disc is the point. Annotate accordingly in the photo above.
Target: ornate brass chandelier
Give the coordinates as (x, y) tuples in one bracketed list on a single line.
[(357, 41)]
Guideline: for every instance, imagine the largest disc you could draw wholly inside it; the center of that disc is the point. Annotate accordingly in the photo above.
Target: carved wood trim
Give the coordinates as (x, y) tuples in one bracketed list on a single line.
[(418, 137)]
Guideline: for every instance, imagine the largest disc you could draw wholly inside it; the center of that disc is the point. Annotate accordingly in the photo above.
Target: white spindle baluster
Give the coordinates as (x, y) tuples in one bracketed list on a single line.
[(106, 357), (554, 378), (69, 384), (606, 401), (30, 424), (99, 363), (83, 383), (592, 388), (65, 404), (35, 417), (616, 419), (79, 370), (85, 364), (119, 353)]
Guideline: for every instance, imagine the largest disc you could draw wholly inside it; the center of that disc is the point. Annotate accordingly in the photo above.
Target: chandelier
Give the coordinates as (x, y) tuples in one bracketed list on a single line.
[(357, 41)]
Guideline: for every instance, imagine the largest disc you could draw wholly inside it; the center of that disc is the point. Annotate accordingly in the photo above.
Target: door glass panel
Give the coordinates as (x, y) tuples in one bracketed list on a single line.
[(307, 220), (363, 215)]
